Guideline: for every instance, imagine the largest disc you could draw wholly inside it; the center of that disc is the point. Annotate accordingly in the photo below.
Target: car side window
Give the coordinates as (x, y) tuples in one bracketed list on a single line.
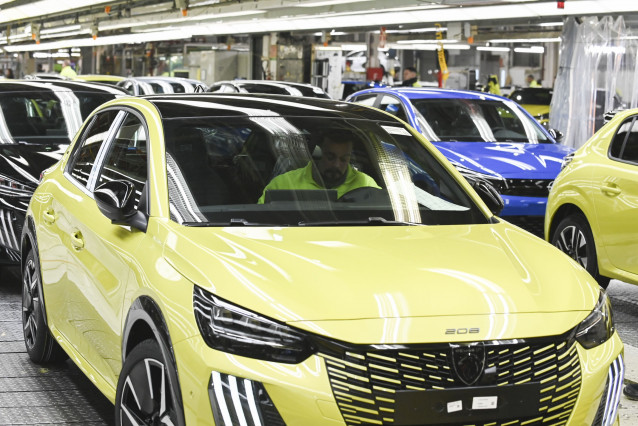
[(367, 100), (127, 159), (618, 141), (630, 150), (393, 106), (83, 157)]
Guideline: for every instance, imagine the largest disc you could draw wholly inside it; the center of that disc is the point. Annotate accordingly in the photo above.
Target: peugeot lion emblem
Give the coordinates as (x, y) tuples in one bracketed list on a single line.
[(468, 362)]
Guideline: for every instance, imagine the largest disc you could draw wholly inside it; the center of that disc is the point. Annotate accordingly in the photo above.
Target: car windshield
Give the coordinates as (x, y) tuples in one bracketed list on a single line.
[(532, 96), (476, 120), (271, 171), (46, 117)]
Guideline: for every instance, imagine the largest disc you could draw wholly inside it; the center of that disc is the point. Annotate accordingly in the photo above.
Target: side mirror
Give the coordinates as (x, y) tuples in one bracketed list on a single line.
[(489, 195), (116, 201), (556, 134)]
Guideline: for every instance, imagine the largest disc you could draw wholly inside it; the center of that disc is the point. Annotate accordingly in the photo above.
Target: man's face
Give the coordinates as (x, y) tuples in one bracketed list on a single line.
[(333, 164), (407, 74)]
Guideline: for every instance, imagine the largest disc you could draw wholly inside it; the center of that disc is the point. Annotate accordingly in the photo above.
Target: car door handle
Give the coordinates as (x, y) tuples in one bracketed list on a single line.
[(610, 189), (77, 240), (49, 216)]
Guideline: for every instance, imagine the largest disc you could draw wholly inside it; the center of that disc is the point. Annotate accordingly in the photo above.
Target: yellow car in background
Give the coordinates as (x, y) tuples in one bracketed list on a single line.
[(592, 210), (536, 101), (384, 292), (100, 78)]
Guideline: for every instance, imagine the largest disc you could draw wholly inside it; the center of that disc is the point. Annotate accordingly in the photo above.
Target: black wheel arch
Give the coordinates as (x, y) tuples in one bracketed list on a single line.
[(28, 240), (564, 211), (146, 321), (143, 321)]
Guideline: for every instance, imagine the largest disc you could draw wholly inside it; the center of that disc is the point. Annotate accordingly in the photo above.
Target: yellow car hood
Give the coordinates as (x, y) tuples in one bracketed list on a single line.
[(536, 110), (347, 273)]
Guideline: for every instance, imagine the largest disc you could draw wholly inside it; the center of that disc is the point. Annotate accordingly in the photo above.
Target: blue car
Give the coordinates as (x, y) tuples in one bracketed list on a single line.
[(486, 137)]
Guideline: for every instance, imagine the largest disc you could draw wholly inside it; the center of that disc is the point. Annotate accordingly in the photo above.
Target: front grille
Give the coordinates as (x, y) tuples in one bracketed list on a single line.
[(366, 384), (527, 187), (532, 224)]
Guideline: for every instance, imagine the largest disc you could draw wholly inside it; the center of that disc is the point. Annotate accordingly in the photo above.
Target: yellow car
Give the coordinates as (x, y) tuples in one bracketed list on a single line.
[(593, 205), (100, 78), (370, 284), (536, 100)]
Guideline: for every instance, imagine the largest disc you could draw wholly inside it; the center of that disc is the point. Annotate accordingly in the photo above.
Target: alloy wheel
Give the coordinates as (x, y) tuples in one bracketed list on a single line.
[(31, 309), (573, 242), (146, 396)]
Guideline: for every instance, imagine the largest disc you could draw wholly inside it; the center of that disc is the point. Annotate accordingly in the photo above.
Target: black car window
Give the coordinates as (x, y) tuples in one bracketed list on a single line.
[(630, 150), (126, 159), (85, 153), (393, 106), (616, 146), (33, 116), (226, 170), (476, 120), (365, 99), (264, 88)]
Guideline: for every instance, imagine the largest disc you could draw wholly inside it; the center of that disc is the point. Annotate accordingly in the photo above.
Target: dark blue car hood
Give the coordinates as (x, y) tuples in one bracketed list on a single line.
[(508, 160)]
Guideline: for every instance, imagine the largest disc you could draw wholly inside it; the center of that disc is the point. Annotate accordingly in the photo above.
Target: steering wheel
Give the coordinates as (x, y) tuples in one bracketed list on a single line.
[(365, 194)]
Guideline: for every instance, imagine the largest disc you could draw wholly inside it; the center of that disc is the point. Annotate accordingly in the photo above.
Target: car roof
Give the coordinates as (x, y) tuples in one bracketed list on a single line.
[(241, 105), (434, 93), (39, 85)]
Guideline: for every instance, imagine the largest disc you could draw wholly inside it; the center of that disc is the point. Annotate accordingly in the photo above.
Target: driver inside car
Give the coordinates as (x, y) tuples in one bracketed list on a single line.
[(331, 171)]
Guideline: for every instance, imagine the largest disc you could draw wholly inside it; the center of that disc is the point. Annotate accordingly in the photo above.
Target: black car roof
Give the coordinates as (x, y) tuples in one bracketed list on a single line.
[(38, 85), (239, 104)]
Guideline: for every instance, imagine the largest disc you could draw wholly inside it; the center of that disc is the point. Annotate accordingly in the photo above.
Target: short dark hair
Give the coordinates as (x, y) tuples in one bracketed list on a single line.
[(410, 69)]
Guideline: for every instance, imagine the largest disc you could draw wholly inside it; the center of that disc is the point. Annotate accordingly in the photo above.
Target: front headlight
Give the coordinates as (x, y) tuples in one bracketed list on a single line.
[(233, 329), (566, 160), (473, 177), (10, 187), (598, 326)]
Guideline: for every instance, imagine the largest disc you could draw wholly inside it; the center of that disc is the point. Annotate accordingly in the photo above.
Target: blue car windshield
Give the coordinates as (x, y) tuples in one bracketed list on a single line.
[(476, 120), (307, 171)]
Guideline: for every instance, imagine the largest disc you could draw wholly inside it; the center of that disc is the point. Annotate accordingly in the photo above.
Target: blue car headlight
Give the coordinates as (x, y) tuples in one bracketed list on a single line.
[(598, 327), (233, 329)]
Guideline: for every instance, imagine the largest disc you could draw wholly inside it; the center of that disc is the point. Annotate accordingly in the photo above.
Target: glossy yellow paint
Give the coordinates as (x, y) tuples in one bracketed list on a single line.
[(440, 278), (539, 112), (605, 190), (99, 78)]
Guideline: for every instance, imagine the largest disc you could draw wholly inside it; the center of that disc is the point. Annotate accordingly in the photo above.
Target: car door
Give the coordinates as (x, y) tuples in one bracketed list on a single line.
[(100, 253), (55, 230), (615, 198)]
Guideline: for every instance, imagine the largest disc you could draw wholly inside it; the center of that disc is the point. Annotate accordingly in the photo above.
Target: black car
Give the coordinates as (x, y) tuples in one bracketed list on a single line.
[(269, 87), (38, 120)]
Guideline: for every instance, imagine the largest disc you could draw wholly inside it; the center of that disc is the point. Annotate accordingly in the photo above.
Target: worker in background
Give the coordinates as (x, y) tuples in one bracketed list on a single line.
[(492, 85), (410, 77), (67, 71), (531, 81)]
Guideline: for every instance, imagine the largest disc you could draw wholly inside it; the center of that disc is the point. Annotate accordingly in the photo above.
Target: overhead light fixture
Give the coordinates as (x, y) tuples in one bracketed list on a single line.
[(493, 49), (551, 24), (432, 41), (525, 40), (532, 49), (326, 3), (64, 29)]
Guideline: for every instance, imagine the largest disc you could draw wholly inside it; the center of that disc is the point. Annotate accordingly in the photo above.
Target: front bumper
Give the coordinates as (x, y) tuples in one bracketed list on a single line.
[(516, 205), (578, 386)]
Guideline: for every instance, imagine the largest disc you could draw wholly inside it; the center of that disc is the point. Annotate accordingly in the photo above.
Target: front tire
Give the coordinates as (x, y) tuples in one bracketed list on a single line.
[(41, 346), (147, 391), (573, 236)]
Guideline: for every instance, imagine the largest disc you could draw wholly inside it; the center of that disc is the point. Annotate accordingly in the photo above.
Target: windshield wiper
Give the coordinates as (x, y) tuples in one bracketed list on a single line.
[(232, 222), (373, 220)]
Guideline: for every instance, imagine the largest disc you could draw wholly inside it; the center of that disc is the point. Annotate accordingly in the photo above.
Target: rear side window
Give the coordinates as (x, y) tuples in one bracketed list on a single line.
[(83, 157), (617, 143), (630, 149)]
